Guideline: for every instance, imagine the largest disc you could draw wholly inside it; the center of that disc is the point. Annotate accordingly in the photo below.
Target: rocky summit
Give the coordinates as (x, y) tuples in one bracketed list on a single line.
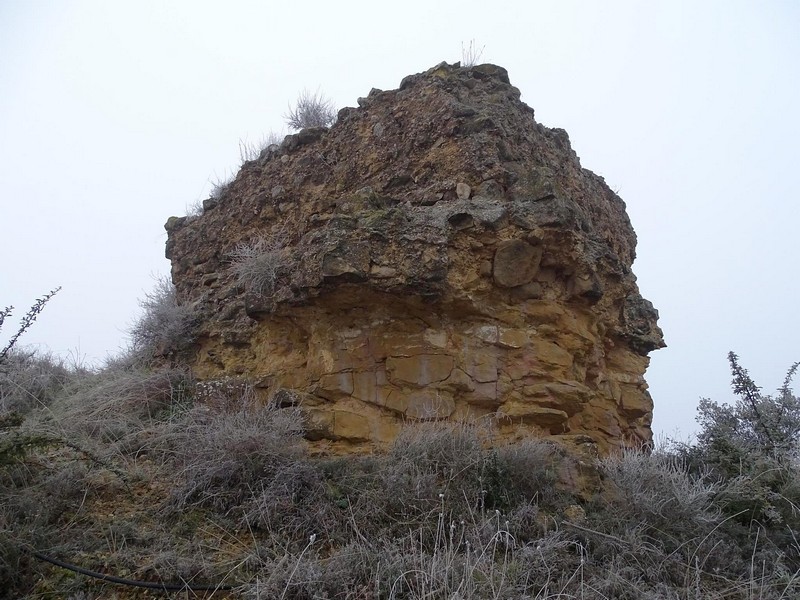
[(435, 254)]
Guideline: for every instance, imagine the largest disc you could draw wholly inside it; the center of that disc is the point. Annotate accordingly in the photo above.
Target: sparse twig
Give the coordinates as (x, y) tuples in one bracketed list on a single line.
[(26, 321), (471, 54)]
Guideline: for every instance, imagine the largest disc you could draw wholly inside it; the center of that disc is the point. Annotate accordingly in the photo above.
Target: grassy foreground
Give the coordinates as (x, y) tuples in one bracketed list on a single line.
[(136, 471)]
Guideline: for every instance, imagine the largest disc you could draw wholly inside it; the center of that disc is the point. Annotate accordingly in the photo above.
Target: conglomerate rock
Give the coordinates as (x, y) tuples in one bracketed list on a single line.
[(436, 254)]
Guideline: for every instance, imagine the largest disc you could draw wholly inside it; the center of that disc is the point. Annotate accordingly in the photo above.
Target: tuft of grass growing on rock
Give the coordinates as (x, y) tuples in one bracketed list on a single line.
[(311, 110), (250, 151), (471, 54), (165, 328), (258, 263)]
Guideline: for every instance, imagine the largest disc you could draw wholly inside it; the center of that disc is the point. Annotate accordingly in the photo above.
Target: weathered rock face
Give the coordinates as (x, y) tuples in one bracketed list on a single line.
[(436, 254)]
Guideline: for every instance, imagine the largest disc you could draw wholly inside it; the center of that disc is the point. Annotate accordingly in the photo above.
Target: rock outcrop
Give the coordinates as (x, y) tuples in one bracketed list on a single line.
[(436, 254)]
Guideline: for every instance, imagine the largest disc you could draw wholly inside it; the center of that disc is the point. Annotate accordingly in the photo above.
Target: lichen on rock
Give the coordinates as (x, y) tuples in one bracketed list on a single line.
[(442, 256)]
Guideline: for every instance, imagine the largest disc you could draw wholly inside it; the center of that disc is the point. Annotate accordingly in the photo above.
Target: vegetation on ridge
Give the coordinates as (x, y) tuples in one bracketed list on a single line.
[(138, 471)]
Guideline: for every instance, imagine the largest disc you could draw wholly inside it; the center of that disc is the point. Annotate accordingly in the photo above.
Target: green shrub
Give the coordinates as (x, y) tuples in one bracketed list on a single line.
[(754, 429), (751, 448)]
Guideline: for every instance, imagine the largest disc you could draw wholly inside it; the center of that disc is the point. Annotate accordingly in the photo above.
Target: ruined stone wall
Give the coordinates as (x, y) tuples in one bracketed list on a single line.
[(436, 254)]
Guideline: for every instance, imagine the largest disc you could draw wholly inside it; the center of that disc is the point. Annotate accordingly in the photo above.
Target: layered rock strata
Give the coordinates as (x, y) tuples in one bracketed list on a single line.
[(436, 254)]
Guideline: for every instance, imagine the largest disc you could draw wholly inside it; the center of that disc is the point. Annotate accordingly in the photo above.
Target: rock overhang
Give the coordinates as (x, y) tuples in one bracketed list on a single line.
[(436, 254)]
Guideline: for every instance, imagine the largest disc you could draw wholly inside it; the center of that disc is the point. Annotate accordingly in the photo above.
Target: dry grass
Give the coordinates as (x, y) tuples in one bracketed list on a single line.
[(311, 110), (165, 327), (258, 263), (227, 457), (471, 54), (31, 380), (250, 151), (217, 487), (220, 186)]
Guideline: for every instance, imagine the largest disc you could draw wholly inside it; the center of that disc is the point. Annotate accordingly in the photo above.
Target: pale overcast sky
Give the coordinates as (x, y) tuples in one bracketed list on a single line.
[(115, 115)]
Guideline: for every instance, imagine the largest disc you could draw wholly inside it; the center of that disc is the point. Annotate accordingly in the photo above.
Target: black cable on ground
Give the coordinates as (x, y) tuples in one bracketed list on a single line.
[(153, 585)]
